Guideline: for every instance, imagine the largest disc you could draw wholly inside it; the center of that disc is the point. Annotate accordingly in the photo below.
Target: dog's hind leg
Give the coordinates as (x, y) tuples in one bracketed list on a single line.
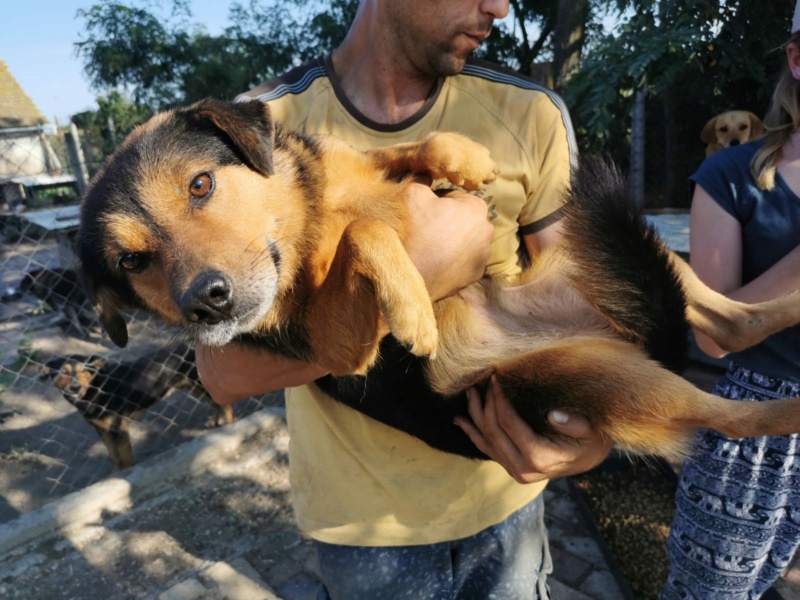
[(733, 325), (371, 274), (221, 415), (631, 399)]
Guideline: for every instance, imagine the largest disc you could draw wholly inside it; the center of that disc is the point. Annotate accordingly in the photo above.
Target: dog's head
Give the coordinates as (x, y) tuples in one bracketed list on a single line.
[(187, 219), (731, 129), (74, 375)]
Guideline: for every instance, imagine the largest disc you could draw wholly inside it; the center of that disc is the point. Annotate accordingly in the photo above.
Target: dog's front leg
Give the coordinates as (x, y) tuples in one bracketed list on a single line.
[(450, 156), (371, 276)]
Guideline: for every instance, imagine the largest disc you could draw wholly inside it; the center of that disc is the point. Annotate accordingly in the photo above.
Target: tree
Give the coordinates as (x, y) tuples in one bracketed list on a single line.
[(104, 128), (160, 58), (693, 59), (690, 58)]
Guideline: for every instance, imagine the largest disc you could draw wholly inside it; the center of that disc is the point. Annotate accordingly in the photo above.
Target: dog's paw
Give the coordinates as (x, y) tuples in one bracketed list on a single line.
[(458, 159), (414, 328)]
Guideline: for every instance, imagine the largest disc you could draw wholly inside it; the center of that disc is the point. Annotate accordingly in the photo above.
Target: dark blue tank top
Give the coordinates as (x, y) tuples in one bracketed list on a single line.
[(770, 229)]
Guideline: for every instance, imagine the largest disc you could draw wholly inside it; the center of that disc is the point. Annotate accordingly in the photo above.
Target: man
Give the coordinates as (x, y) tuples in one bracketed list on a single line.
[(392, 517)]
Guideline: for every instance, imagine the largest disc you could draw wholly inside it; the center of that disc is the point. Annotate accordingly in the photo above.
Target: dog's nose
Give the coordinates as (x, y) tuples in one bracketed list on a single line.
[(734, 142), (209, 299)]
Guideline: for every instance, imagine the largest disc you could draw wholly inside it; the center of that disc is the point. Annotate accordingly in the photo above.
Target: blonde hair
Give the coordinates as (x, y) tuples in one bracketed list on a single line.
[(782, 118)]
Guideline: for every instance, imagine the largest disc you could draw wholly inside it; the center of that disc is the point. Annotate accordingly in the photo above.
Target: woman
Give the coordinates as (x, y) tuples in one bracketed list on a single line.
[(737, 523)]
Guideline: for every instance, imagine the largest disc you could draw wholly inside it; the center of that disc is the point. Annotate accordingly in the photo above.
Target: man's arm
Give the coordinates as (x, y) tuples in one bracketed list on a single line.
[(499, 432), (449, 242)]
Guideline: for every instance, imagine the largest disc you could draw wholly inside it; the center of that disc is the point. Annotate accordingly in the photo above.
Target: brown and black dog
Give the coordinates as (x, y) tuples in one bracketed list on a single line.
[(216, 218), (109, 394), (730, 128)]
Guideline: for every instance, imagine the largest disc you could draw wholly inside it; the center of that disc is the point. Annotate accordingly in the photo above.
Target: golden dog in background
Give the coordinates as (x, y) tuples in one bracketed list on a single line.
[(730, 129)]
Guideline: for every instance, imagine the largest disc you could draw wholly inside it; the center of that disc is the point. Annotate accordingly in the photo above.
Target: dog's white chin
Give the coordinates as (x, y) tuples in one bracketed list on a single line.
[(214, 335), (224, 332)]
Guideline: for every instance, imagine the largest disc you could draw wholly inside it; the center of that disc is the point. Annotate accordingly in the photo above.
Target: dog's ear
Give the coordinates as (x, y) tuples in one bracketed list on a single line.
[(709, 133), (107, 303), (248, 125), (96, 362), (756, 126)]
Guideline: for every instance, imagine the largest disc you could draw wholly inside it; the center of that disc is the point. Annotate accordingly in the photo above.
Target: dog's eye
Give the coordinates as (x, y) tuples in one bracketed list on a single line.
[(133, 261), (742, 127), (201, 186), (724, 129)]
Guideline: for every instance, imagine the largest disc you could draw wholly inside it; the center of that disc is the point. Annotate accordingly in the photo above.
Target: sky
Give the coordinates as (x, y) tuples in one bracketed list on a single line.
[(37, 44)]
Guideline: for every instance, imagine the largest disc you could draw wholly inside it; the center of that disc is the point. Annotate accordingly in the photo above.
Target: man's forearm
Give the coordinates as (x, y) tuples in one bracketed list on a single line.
[(235, 372)]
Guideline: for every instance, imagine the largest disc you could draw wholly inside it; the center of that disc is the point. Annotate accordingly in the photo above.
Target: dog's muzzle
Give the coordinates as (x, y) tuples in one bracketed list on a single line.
[(209, 299)]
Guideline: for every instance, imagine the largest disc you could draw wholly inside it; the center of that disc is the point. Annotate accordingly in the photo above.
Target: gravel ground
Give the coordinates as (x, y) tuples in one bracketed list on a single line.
[(633, 509)]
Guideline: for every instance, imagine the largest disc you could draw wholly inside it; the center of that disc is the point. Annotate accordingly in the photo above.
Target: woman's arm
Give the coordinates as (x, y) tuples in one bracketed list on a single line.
[(716, 256)]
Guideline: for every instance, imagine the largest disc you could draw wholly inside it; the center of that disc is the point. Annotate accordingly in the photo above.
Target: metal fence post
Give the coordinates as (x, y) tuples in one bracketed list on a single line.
[(76, 158), (637, 149)]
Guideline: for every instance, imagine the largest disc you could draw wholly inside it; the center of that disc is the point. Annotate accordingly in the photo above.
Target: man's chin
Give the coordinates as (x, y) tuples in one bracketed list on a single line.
[(450, 64)]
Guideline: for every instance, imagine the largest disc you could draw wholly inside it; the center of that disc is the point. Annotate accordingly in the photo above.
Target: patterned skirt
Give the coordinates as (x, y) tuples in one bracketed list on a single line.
[(737, 519)]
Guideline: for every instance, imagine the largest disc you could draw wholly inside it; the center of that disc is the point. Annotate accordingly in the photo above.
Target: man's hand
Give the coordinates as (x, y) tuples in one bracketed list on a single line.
[(499, 432), (449, 238)]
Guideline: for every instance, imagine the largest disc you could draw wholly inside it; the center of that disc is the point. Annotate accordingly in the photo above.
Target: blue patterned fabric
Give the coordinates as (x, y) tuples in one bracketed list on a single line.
[(737, 523), (509, 561)]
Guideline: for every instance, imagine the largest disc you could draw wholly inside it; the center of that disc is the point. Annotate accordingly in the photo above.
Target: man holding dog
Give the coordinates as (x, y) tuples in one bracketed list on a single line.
[(391, 516)]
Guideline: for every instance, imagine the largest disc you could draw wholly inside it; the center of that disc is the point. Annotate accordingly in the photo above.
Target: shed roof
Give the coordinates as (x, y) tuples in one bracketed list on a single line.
[(16, 107)]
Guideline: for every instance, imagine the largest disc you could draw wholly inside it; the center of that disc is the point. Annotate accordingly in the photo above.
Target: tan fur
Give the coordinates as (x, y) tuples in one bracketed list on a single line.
[(343, 269), (730, 128)]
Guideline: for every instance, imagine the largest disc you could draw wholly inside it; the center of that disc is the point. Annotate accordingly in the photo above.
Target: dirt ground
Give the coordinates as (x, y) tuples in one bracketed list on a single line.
[(218, 517)]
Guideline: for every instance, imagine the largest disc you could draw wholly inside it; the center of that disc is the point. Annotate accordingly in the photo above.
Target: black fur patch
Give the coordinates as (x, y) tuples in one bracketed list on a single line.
[(623, 266), (395, 392)]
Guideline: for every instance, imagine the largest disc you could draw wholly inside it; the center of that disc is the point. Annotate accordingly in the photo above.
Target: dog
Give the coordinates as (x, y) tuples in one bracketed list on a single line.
[(109, 394), (730, 129), (217, 218), (61, 290)]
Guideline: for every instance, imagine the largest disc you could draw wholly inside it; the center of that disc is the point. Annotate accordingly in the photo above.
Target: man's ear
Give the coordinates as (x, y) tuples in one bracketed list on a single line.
[(248, 125), (107, 303)]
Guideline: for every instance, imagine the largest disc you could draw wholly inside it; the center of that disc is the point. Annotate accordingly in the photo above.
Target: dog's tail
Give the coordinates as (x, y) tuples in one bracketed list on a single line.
[(621, 267)]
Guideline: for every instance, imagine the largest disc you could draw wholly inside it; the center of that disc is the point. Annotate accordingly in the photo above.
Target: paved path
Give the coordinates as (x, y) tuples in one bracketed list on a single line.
[(212, 520)]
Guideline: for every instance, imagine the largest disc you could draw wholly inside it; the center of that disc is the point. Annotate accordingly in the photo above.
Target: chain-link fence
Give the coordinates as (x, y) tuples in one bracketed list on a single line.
[(73, 407)]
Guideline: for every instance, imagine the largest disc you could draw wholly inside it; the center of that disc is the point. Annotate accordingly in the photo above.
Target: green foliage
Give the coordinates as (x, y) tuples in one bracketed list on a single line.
[(163, 59), (104, 128), (693, 58)]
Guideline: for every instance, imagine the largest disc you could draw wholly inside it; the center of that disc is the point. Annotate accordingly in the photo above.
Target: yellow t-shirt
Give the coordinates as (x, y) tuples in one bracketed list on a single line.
[(356, 481)]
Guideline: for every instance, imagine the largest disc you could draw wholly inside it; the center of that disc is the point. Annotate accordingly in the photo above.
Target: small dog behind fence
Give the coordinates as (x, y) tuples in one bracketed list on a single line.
[(109, 394)]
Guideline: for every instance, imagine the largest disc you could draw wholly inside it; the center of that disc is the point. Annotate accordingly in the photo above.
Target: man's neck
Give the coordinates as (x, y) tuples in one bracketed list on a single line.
[(378, 81)]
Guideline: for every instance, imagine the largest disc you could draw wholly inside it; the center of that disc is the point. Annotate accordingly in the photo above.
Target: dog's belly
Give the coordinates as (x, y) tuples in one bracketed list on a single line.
[(485, 325)]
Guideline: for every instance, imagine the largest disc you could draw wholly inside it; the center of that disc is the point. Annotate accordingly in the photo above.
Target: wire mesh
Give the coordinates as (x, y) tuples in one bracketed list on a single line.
[(73, 407)]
